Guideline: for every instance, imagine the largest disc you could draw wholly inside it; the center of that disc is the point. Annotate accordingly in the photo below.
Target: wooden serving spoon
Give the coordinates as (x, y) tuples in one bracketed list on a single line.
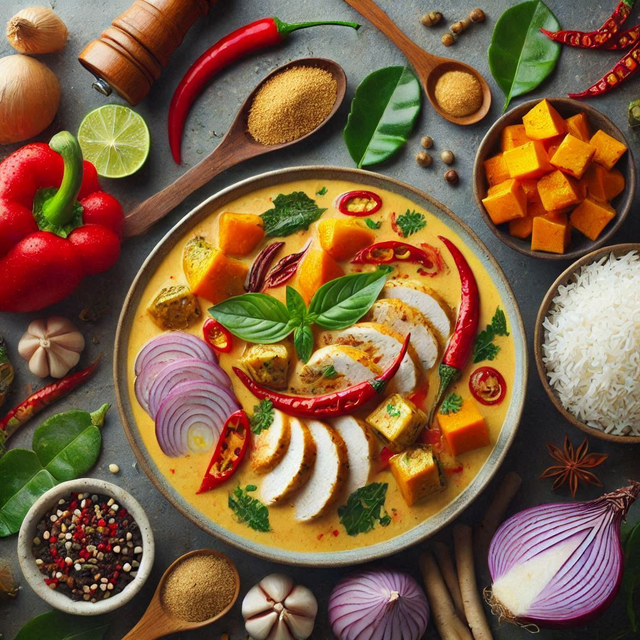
[(428, 67), (157, 622), (236, 146)]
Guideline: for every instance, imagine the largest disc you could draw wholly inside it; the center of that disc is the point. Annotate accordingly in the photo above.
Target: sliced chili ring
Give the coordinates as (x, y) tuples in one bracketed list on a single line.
[(217, 336), (358, 203), (488, 386)]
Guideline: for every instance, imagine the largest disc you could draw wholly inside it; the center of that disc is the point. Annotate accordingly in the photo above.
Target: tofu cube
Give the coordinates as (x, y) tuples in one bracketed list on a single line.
[(417, 473), (558, 191), (578, 126), (543, 122), (505, 202), (573, 156), (529, 160), (268, 364), (174, 307), (608, 149), (591, 217), (522, 227), (551, 233), (495, 169), (513, 136), (465, 429), (397, 422)]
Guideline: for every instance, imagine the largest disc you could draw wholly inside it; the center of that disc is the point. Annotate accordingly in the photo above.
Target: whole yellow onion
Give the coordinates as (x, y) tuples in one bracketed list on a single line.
[(29, 98)]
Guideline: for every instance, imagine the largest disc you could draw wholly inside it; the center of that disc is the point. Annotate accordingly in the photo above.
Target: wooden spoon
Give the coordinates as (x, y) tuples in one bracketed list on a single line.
[(428, 67), (236, 146), (157, 622)]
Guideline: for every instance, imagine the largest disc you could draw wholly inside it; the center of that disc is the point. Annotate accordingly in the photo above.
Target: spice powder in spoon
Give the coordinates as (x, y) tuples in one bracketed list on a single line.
[(458, 93)]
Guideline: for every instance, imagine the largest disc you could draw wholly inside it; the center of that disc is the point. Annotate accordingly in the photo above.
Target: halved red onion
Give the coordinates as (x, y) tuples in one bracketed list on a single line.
[(174, 373), (191, 417), (559, 565), (175, 345)]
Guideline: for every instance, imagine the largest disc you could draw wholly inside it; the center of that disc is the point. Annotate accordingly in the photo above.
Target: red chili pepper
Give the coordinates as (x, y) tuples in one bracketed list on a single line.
[(39, 400), (260, 266), (358, 203), (330, 405), (395, 251), (384, 457), (229, 452), (488, 386), (624, 39), (217, 336), (460, 344), (245, 40), (56, 226)]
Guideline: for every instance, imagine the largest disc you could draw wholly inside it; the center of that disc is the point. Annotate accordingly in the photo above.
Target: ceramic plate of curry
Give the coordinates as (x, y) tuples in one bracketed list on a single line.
[(280, 351)]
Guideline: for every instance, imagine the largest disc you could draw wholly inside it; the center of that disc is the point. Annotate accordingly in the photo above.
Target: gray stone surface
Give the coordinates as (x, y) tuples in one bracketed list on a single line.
[(359, 54)]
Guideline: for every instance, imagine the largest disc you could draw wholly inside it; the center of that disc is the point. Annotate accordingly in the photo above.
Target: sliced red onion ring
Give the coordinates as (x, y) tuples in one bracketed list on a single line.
[(191, 417), (142, 385), (176, 345), (174, 373)]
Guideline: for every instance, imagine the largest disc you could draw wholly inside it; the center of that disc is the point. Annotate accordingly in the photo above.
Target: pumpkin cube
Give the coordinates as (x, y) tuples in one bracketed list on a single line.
[(573, 156), (343, 238), (583, 187), (551, 145), (522, 227), (317, 268), (608, 149), (239, 233), (417, 473), (558, 191), (397, 422), (578, 126), (543, 122), (530, 188), (506, 202), (210, 273), (513, 136), (529, 160), (591, 217), (496, 170), (595, 177), (464, 430), (551, 233), (614, 183)]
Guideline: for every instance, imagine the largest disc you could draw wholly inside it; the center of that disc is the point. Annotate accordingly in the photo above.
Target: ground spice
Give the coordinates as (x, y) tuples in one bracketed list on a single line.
[(458, 93), (199, 588), (291, 104)]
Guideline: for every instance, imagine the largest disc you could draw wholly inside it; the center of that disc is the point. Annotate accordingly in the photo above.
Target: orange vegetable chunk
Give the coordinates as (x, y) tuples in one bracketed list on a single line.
[(573, 156), (530, 188), (551, 233), (495, 169), (551, 145), (506, 202), (543, 122), (614, 183), (513, 136), (595, 182), (591, 217), (416, 472), (578, 126), (239, 233), (317, 268), (343, 238), (608, 149), (558, 191), (465, 430), (522, 227), (529, 160)]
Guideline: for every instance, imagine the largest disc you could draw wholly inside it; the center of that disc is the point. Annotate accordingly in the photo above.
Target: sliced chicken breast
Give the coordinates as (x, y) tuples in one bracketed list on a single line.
[(382, 345), (418, 295), (404, 319), (270, 446), (294, 468), (360, 451), (329, 473), (333, 368)]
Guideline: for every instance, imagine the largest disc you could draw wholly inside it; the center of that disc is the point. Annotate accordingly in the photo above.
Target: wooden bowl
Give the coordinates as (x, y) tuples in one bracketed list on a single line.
[(538, 338), (580, 244)]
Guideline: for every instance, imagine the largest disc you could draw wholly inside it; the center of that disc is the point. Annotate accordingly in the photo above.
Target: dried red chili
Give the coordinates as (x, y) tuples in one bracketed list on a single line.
[(229, 452), (395, 251), (285, 269), (358, 203), (261, 266), (217, 336), (488, 386), (624, 39)]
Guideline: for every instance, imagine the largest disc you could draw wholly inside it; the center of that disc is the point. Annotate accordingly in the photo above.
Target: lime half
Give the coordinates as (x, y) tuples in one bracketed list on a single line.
[(115, 139)]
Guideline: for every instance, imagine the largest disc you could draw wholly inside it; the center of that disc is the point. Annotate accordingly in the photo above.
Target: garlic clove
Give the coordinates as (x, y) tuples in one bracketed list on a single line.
[(300, 626), (255, 602), (37, 328), (281, 631), (260, 627), (302, 602), (61, 360), (277, 586), (39, 363), (73, 341), (28, 345), (57, 325)]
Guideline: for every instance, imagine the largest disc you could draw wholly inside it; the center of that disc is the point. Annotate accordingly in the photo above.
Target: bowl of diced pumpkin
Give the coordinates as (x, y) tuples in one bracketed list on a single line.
[(554, 178)]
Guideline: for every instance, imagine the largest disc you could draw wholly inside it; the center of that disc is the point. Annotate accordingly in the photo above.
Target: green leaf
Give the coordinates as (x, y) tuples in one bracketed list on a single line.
[(56, 625), (321, 191), (631, 576), (255, 317), (484, 349), (451, 404), (383, 113), (410, 222), (520, 56), (291, 212), (303, 342), (371, 224), (499, 323), (45, 225), (248, 510), (263, 417), (329, 372), (296, 305), (393, 411), (365, 508), (22, 481), (342, 302)]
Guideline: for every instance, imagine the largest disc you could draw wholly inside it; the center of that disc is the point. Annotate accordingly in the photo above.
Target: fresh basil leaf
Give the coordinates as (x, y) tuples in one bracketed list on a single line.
[(263, 417), (249, 510), (342, 302), (383, 113), (291, 213), (254, 317), (451, 404), (520, 56), (303, 342), (365, 508), (56, 625), (296, 305)]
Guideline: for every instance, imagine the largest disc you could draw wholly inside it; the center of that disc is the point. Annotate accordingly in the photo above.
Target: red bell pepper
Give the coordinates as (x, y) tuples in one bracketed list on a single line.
[(56, 226)]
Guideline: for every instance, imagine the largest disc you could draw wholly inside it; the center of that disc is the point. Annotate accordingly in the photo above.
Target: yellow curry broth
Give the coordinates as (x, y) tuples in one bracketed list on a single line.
[(325, 533)]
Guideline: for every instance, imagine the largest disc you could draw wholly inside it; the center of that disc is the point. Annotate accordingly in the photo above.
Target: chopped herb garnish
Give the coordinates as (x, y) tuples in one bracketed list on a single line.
[(321, 191), (410, 222), (393, 411), (248, 510), (329, 372), (365, 508), (372, 224), (291, 213), (451, 404), (263, 416), (484, 349), (499, 322)]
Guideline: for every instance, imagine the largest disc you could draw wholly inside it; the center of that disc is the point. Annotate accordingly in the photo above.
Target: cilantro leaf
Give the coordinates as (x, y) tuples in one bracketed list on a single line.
[(393, 411), (484, 349), (329, 372), (321, 191), (365, 508), (410, 222), (263, 416), (499, 323), (451, 404), (248, 510), (372, 224), (291, 213)]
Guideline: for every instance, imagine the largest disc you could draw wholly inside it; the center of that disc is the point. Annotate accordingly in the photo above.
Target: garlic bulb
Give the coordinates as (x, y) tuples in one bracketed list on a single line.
[(52, 347), (277, 609), (37, 30)]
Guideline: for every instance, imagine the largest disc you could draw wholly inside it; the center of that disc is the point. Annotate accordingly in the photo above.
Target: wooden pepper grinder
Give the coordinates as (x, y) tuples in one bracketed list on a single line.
[(130, 54)]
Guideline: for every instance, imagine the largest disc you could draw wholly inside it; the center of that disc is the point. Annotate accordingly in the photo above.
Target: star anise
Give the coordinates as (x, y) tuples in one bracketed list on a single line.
[(573, 465)]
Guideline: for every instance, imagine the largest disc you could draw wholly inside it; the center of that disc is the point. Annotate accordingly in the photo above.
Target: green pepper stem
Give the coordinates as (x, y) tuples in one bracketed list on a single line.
[(98, 416), (448, 375), (59, 208), (285, 28)]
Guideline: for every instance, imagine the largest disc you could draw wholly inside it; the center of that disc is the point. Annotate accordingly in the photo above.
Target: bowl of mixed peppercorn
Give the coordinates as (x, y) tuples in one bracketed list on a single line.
[(86, 547)]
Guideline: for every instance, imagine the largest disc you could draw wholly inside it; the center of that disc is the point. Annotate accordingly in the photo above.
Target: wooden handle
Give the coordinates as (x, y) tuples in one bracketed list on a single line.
[(154, 623)]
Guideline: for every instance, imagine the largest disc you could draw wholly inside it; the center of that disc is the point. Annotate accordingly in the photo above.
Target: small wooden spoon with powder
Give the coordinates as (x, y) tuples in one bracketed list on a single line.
[(196, 590)]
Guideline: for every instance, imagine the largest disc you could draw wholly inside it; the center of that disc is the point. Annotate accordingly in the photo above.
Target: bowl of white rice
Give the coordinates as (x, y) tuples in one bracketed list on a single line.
[(587, 343)]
